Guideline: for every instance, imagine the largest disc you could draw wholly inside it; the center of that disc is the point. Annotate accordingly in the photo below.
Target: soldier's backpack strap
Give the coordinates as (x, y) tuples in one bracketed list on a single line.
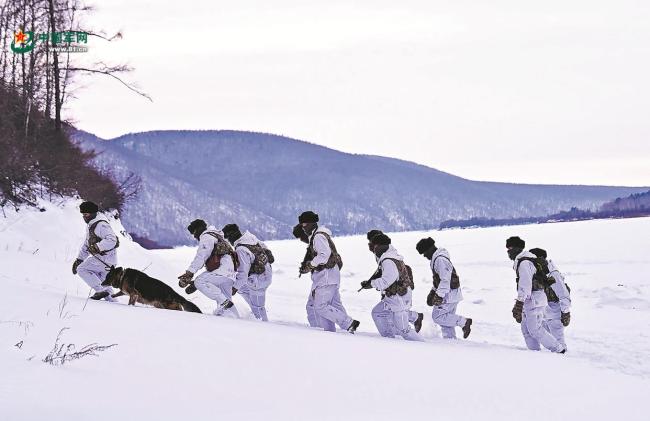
[(222, 247), (94, 238), (539, 278), (333, 260), (403, 281), (454, 283)]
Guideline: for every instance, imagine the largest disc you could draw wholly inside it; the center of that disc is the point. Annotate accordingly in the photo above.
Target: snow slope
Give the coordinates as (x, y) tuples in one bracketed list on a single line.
[(171, 364)]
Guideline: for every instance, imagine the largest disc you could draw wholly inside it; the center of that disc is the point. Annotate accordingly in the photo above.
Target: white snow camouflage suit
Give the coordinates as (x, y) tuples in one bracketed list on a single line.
[(216, 285), (554, 310), (444, 314), (93, 269), (324, 306), (252, 288), (391, 314), (532, 323)]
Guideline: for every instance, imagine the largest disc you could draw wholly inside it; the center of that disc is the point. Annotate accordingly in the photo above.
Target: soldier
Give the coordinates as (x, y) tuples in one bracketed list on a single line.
[(254, 274), (531, 299), (414, 317), (98, 252), (446, 293), (299, 234), (557, 313), (220, 262), (324, 307), (391, 314)]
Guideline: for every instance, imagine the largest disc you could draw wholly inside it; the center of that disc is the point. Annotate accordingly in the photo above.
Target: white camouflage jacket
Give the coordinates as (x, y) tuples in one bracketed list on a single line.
[(389, 271), (108, 241), (532, 299), (246, 258), (559, 287), (441, 264), (206, 245), (321, 246)]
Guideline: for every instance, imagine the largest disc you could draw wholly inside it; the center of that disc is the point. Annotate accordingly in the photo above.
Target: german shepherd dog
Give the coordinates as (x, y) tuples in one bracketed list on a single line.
[(142, 288)]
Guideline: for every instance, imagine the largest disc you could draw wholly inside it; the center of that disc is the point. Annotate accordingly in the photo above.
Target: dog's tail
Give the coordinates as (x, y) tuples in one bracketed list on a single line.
[(190, 306)]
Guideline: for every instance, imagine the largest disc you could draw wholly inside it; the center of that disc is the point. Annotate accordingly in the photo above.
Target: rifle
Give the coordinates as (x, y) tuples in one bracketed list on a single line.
[(305, 260), (375, 275)]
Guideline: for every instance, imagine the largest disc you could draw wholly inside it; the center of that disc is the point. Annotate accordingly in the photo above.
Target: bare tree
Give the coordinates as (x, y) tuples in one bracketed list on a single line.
[(34, 87)]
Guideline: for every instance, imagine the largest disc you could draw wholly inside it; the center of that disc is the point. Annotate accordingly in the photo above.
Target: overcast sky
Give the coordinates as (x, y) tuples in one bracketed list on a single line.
[(521, 91)]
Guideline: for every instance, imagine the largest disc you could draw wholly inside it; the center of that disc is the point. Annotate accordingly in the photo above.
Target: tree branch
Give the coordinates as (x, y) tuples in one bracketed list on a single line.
[(109, 72)]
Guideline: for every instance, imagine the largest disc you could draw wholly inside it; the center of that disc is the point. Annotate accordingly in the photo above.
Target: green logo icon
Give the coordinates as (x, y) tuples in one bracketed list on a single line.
[(63, 42), (23, 42)]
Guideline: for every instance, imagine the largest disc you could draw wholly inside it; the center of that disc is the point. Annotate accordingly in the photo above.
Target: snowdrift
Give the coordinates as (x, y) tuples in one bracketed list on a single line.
[(170, 364)]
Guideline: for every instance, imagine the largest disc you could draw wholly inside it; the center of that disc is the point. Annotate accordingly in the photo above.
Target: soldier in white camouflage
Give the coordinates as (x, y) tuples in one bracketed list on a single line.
[(557, 314), (324, 306), (98, 252), (445, 293), (254, 274), (414, 317), (391, 314), (531, 298), (220, 262)]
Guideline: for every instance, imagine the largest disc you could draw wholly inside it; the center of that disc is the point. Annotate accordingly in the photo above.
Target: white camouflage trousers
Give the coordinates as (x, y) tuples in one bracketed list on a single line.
[(94, 272), (532, 327), (553, 323), (219, 289), (256, 299), (325, 309), (392, 316), (445, 316)]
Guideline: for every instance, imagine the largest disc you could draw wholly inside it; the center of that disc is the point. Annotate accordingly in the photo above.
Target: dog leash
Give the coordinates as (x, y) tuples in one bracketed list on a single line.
[(100, 260)]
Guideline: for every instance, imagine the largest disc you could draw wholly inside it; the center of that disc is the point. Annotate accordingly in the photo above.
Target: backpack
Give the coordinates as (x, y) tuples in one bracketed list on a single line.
[(262, 257), (221, 248), (455, 280), (334, 259), (403, 282), (550, 294), (540, 280), (94, 238)]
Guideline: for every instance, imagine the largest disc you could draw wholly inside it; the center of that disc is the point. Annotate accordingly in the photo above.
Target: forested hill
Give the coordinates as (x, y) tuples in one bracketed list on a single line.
[(263, 181)]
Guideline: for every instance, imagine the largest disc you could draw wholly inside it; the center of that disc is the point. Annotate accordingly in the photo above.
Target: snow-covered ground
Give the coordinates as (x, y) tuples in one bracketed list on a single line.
[(173, 364)]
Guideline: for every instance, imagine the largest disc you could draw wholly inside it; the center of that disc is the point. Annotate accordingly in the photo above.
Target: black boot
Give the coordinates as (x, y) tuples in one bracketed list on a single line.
[(227, 304), (467, 329), (99, 295), (353, 326), (418, 322)]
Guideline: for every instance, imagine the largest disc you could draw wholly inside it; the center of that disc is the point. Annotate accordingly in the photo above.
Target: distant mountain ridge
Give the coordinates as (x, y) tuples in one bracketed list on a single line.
[(263, 181)]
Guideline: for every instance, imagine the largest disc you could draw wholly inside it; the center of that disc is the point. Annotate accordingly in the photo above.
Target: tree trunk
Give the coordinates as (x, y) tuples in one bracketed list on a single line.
[(55, 60)]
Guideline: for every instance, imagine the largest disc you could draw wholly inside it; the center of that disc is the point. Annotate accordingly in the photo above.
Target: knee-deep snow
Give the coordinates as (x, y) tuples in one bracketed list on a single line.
[(171, 364)]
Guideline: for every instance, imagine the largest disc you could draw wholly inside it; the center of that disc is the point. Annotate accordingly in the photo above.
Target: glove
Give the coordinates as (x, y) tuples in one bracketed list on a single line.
[(305, 267), (517, 310), (234, 290), (433, 299), (185, 279), (94, 249), (75, 265), (190, 288), (366, 284), (565, 318)]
